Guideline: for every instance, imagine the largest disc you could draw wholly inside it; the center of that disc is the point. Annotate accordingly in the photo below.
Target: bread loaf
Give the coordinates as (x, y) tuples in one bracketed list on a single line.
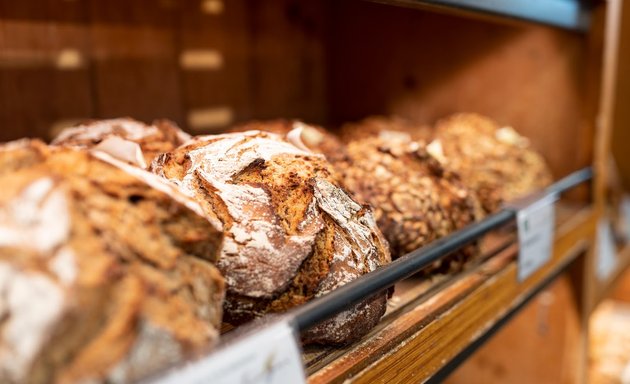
[(106, 270), (306, 136), (496, 162), (291, 233), (21, 154), (385, 127), (126, 139), (416, 200)]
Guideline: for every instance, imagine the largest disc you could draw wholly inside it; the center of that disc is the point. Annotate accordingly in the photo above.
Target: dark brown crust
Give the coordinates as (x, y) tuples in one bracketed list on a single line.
[(357, 322)]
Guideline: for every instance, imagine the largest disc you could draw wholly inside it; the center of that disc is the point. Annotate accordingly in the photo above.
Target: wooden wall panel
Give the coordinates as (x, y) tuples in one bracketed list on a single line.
[(134, 58), (203, 63), (288, 78), (426, 66), (218, 38), (44, 75)]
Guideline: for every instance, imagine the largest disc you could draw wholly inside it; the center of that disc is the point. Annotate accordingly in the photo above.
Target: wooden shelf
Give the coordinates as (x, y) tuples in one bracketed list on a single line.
[(603, 288), (430, 325)]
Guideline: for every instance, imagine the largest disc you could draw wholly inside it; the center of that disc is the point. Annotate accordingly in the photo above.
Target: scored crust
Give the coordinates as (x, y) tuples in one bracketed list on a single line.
[(415, 199), (125, 138), (106, 270), (496, 162), (306, 136), (291, 233)]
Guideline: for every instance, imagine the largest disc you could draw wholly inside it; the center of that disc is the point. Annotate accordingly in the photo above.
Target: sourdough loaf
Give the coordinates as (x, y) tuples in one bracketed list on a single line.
[(127, 139), (21, 154), (416, 200), (385, 127), (106, 271), (498, 163), (291, 234), (306, 136)]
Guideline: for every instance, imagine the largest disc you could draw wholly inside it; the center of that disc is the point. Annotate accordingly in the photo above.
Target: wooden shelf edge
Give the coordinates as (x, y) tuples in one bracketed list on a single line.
[(420, 342), (604, 287)]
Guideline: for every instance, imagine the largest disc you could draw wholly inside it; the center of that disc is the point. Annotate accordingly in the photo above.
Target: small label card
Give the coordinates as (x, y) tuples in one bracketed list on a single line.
[(270, 356), (535, 222), (606, 256)]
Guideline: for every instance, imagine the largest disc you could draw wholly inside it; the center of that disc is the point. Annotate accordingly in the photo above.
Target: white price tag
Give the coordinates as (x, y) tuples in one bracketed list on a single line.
[(625, 216), (535, 224), (271, 356), (606, 255)]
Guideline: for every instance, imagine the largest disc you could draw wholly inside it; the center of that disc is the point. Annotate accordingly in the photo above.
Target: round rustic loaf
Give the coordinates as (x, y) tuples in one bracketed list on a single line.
[(106, 270), (291, 233), (385, 127), (305, 136), (21, 154), (126, 139), (496, 162), (415, 199)]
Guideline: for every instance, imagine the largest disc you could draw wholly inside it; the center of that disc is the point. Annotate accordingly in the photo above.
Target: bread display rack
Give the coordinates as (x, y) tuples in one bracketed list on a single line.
[(548, 69), (432, 312)]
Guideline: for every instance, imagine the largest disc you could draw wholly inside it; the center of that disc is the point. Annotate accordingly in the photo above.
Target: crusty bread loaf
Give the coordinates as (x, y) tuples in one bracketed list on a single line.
[(106, 270), (305, 136), (496, 162), (126, 139), (291, 233), (21, 154), (415, 199), (385, 127)]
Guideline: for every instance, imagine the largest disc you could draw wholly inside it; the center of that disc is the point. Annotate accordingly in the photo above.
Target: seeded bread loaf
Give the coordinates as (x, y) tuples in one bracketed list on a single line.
[(496, 162), (127, 139), (106, 271), (415, 199), (291, 233), (306, 136)]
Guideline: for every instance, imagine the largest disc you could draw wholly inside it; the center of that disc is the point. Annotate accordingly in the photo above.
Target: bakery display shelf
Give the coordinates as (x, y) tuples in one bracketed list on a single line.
[(336, 301), (432, 323), (567, 14), (432, 326)]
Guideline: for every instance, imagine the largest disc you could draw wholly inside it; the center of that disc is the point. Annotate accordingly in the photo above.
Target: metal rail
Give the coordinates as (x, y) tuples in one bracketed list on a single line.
[(567, 14)]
